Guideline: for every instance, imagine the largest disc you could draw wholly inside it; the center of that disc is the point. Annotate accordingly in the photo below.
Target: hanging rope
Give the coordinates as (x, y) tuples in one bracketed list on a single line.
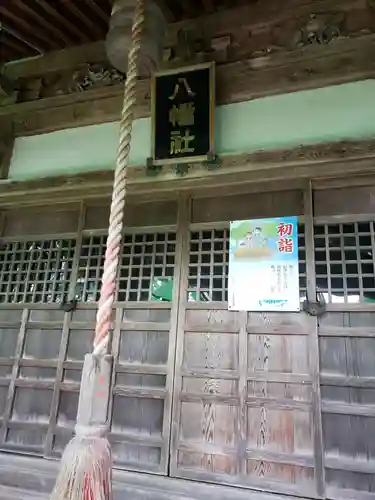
[(86, 465), (111, 261)]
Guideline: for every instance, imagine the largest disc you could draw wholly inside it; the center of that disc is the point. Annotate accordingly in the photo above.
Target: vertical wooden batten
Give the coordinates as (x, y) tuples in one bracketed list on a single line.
[(242, 389), (115, 347), (182, 227), (15, 372), (314, 341), (6, 148), (48, 445), (185, 208)]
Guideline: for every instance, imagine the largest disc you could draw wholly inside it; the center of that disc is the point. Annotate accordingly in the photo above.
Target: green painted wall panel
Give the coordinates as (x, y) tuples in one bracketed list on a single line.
[(71, 151), (329, 114)]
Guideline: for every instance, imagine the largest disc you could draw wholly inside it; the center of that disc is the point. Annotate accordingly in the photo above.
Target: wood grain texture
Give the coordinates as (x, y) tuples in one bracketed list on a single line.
[(243, 395), (348, 371), (259, 50), (260, 401), (314, 341)]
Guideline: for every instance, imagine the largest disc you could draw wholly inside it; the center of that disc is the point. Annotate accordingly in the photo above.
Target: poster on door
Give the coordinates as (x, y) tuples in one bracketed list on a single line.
[(263, 265)]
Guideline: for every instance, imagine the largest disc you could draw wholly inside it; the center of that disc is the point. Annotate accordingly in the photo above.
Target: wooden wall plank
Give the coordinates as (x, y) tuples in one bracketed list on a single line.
[(237, 207), (342, 201), (135, 215), (40, 222)]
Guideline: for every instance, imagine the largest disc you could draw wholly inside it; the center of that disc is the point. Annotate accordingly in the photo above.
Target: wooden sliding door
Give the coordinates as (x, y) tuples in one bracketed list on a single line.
[(245, 382)]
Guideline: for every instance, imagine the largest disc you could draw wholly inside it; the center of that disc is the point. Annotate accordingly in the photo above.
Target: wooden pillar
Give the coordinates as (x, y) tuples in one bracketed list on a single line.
[(6, 147)]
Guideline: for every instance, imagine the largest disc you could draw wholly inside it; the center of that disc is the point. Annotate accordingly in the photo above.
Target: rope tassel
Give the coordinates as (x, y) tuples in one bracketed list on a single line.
[(86, 465), (86, 469)]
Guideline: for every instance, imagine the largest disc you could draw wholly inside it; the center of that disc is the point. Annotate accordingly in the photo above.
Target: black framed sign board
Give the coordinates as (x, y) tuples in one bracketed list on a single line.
[(183, 106)]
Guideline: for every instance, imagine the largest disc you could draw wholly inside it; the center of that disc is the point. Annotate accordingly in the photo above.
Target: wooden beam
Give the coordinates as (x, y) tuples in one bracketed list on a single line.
[(208, 6), (5, 159), (96, 7), (12, 49), (47, 7), (344, 61), (43, 21), (17, 45), (57, 61), (272, 30), (262, 13), (168, 14), (188, 8), (27, 41), (9, 53), (74, 9), (6, 148), (19, 21), (319, 161), (255, 71), (7, 87)]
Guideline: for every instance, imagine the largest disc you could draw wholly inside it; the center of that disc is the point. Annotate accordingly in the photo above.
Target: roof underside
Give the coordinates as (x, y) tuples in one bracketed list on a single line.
[(33, 27)]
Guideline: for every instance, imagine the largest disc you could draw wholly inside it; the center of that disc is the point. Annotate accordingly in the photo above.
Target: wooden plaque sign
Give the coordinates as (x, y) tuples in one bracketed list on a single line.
[(183, 105)]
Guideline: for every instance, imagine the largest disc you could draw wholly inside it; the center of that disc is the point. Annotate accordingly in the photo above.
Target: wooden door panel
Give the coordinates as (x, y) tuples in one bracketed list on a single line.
[(29, 367), (218, 423), (243, 409), (291, 391), (278, 354), (347, 375), (207, 408), (282, 477), (279, 419), (143, 373), (198, 463), (224, 387), (210, 351), (279, 430)]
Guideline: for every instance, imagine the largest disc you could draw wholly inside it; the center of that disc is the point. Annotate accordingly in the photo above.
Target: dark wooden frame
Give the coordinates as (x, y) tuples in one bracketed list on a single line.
[(195, 67)]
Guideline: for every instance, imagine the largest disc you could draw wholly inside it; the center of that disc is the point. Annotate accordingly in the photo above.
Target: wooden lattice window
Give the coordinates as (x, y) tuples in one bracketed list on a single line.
[(146, 263), (36, 271), (208, 265), (146, 260), (345, 261), (90, 268), (302, 261)]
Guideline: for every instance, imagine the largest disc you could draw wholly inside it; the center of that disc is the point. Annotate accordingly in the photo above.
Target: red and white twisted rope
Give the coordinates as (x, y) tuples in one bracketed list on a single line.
[(111, 261)]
